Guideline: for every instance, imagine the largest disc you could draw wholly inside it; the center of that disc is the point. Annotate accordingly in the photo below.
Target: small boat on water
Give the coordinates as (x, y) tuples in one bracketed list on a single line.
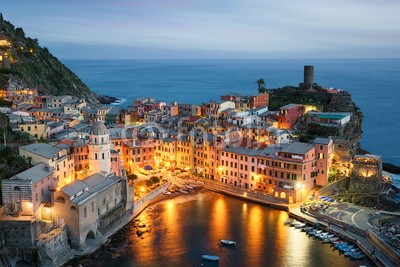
[(189, 186), (210, 257), (287, 222), (167, 193), (299, 225), (228, 242), (183, 191)]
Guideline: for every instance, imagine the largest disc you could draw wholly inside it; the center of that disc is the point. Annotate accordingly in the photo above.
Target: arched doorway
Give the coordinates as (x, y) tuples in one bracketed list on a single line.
[(90, 235), (283, 195), (276, 194)]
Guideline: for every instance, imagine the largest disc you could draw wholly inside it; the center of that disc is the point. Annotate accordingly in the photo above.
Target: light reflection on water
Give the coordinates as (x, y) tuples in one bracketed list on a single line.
[(185, 227)]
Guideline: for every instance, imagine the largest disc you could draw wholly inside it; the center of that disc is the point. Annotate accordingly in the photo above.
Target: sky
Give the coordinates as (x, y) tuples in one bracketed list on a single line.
[(138, 29)]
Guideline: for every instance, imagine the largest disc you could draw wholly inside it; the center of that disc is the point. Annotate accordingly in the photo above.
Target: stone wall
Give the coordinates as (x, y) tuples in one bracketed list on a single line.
[(106, 221), (384, 247), (18, 233), (335, 187), (53, 247)]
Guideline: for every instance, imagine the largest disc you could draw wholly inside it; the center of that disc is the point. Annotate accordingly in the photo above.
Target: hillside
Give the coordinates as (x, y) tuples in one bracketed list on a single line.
[(36, 67), (321, 101)]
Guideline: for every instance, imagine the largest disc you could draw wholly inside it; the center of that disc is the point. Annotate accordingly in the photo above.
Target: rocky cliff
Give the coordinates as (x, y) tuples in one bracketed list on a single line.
[(35, 66)]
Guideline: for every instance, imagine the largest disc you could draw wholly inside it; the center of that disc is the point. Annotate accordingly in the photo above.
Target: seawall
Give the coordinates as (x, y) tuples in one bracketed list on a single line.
[(240, 193)]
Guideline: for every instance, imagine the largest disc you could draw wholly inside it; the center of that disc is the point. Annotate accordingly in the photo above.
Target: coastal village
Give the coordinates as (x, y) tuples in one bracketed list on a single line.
[(87, 163)]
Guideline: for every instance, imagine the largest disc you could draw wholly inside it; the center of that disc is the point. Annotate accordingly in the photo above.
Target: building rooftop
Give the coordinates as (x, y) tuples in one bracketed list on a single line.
[(42, 149), (88, 187), (98, 128), (74, 188), (34, 174), (289, 106), (298, 148), (322, 141), (330, 115)]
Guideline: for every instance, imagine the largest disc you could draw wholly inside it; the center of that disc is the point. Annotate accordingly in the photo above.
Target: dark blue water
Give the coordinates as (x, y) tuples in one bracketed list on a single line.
[(374, 84)]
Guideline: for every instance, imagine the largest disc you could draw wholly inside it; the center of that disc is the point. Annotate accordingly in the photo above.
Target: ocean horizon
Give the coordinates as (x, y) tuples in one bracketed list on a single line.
[(373, 83)]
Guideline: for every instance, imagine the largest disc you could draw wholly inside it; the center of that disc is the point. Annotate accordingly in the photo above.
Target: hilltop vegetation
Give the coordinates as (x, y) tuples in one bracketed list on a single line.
[(36, 67), (10, 163)]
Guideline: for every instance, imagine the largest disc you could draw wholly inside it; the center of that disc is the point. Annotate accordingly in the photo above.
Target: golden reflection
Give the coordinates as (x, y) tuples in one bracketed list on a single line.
[(219, 225), (255, 233), (281, 232), (298, 246), (173, 240), (244, 210)]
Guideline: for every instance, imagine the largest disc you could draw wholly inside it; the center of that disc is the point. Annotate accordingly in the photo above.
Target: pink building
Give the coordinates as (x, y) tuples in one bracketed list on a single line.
[(323, 151), (259, 100), (24, 193), (287, 171), (289, 115)]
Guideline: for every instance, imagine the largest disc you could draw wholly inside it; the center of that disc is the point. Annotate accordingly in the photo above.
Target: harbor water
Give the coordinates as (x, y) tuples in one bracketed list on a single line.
[(177, 231)]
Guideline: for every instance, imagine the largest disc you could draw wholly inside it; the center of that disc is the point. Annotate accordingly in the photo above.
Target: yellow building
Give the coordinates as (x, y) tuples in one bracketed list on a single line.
[(56, 157), (36, 130)]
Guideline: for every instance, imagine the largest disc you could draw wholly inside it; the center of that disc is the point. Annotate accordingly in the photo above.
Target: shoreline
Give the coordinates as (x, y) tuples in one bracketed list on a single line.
[(150, 198), (293, 212)]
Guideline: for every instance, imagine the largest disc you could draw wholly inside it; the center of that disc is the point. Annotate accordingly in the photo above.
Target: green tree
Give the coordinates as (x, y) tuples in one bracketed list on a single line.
[(260, 83)]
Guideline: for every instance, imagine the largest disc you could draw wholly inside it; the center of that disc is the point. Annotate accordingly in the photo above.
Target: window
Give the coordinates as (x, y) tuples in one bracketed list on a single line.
[(85, 212), (92, 206), (95, 156), (102, 155)]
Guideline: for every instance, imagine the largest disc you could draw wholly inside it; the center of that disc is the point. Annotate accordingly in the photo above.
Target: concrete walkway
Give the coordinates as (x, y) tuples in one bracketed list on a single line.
[(363, 242)]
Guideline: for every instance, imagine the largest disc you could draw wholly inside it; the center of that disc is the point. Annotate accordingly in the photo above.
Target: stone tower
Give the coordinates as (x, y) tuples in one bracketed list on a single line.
[(99, 149), (308, 77)]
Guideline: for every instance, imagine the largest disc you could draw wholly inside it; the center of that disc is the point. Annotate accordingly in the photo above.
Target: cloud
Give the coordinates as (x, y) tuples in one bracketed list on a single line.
[(229, 28)]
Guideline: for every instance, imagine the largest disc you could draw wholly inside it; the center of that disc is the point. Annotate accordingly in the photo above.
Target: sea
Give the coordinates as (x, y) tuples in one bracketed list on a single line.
[(373, 83), (177, 231)]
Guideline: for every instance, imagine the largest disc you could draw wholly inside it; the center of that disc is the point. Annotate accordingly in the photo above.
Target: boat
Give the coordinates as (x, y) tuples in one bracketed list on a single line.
[(356, 256), (228, 242), (189, 186), (183, 191), (287, 222), (299, 225), (167, 193), (210, 257)]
